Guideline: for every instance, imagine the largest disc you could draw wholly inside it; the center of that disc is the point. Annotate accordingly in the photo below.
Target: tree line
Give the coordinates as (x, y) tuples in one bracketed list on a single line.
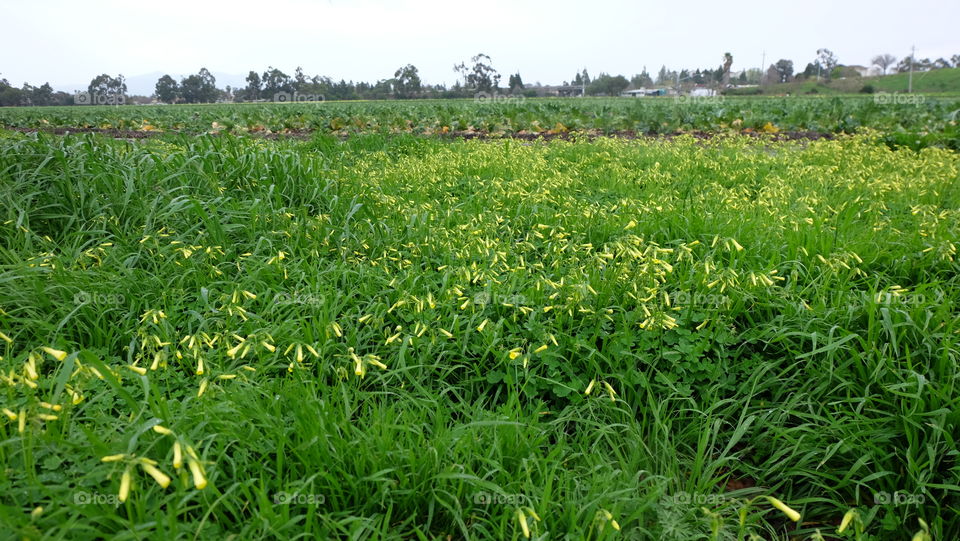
[(474, 77)]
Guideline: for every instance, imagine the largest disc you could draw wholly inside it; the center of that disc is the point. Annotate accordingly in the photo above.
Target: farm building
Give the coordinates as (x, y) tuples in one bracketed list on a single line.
[(642, 92)]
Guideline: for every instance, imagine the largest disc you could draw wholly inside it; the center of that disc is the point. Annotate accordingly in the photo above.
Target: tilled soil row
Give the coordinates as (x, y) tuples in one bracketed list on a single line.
[(468, 135)]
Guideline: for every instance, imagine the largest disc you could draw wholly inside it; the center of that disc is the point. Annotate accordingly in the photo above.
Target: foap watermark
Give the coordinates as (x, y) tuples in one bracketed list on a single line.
[(95, 498), (287, 97), (896, 98), (295, 498), (898, 300), (697, 498), (685, 298), (698, 99), (898, 497), (499, 99), (485, 297), (286, 299), (489, 498), (98, 98), (105, 299)]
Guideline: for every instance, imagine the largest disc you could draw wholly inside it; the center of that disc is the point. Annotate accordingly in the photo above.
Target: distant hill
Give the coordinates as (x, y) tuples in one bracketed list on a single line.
[(933, 81)]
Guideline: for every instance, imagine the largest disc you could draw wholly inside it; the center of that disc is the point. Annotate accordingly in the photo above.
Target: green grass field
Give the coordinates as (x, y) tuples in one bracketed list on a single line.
[(397, 336)]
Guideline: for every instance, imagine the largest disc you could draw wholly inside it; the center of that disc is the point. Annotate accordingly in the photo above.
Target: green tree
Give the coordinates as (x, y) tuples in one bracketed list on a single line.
[(642, 80), (516, 83), (810, 71), (784, 70), (827, 61), (406, 81), (481, 77), (106, 89), (663, 76), (199, 88), (608, 85), (167, 89), (299, 80), (277, 85), (253, 88), (9, 95), (42, 95)]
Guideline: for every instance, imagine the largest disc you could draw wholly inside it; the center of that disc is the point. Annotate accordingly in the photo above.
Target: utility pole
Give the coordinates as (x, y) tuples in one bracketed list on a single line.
[(763, 63), (913, 52)]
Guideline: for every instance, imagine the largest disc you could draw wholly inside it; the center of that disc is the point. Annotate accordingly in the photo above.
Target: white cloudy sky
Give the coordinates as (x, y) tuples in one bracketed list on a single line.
[(67, 42)]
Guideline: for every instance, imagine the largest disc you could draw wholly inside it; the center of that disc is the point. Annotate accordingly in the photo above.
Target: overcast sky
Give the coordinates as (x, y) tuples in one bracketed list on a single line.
[(66, 42)]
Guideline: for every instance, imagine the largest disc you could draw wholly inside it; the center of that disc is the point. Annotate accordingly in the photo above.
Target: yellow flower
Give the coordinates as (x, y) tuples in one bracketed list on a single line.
[(232, 352), (482, 325), (112, 458), (522, 519), (6, 338), (138, 369), (177, 455), (162, 430), (375, 361), (125, 480), (847, 518), (161, 478), (610, 391), (55, 353), (199, 479), (10, 414), (590, 387), (157, 357), (514, 353), (31, 367), (37, 511), (540, 349), (791, 514), (358, 368), (203, 387)]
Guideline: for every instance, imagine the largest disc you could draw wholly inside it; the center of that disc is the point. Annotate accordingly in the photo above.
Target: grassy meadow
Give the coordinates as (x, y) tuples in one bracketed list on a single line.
[(398, 336)]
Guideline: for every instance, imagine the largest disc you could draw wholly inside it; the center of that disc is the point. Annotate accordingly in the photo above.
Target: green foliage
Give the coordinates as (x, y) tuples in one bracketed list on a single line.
[(752, 319), (827, 114)]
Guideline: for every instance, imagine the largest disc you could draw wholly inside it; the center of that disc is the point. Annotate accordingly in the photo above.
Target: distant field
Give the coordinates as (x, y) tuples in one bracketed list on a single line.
[(923, 115), (423, 320)]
